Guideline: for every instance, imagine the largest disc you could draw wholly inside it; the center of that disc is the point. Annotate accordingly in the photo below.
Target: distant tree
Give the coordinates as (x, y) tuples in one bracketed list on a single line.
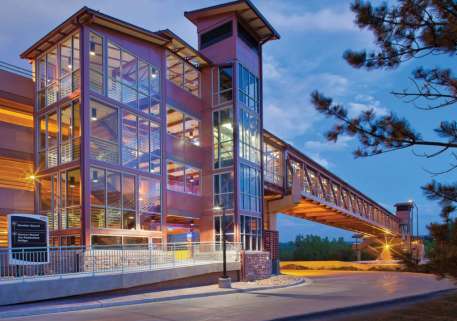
[(404, 31), (316, 248)]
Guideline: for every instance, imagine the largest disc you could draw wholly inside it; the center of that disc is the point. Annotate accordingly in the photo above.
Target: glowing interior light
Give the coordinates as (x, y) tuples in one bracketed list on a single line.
[(93, 114), (92, 48)]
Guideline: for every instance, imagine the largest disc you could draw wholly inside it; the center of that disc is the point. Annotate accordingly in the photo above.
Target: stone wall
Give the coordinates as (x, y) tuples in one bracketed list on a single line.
[(256, 265)]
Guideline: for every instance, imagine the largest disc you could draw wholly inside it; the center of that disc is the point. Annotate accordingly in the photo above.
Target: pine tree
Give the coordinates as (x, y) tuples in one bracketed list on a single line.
[(404, 31)]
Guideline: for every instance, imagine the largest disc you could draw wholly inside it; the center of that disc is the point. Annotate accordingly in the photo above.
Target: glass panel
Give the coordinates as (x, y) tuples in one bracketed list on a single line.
[(143, 141), (114, 71), (149, 195), (192, 180), (128, 192), (113, 186), (129, 140), (52, 133), (51, 66), (104, 133), (96, 63), (97, 187), (175, 122), (41, 68), (225, 84), (113, 218), (192, 130), (66, 62), (128, 220), (175, 176), (223, 138), (73, 187), (76, 54)]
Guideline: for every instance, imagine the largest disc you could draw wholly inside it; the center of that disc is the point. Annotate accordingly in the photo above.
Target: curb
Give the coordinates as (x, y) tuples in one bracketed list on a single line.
[(358, 308), (90, 306)]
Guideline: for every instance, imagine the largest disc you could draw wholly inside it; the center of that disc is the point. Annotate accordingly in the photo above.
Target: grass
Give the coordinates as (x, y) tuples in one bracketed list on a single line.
[(443, 308)]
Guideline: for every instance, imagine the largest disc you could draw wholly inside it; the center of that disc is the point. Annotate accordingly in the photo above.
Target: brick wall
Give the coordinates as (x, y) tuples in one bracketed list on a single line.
[(256, 265)]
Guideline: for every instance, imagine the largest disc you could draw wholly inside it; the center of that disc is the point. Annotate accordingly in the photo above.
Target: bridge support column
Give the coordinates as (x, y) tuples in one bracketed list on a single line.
[(271, 238)]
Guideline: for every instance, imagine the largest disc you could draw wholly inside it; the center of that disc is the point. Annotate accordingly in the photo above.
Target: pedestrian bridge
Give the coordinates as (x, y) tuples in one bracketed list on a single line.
[(296, 185)]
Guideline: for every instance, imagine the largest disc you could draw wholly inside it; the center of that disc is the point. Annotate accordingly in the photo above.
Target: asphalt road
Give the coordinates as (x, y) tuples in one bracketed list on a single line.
[(327, 291)]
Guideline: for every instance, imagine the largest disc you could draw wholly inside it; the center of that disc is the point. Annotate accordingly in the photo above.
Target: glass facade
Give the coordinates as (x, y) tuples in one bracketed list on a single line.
[(183, 74), (129, 79), (248, 89), (223, 138), (272, 164), (60, 199), (251, 233), (183, 126), (58, 72), (229, 225), (183, 178), (223, 190), (250, 189), (59, 134)]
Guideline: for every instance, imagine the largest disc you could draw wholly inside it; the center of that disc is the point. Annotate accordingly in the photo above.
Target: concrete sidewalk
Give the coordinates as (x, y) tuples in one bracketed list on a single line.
[(134, 297), (330, 291)]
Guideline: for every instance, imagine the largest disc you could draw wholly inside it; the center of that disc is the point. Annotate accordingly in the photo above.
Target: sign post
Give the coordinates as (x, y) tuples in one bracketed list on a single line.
[(28, 239)]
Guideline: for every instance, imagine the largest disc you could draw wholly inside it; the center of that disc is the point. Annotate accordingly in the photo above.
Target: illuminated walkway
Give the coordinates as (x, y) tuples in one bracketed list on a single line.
[(296, 185)]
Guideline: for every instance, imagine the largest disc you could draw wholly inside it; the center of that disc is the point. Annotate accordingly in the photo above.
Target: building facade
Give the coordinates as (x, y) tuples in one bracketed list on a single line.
[(140, 138)]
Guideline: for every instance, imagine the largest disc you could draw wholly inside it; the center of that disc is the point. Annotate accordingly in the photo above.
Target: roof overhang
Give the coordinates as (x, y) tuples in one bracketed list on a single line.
[(246, 12)]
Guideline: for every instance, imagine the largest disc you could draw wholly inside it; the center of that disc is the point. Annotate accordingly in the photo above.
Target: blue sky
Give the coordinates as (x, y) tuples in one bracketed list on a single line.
[(308, 56)]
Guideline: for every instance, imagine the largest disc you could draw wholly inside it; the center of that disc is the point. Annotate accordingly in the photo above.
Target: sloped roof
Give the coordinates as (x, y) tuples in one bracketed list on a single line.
[(246, 11), (164, 38)]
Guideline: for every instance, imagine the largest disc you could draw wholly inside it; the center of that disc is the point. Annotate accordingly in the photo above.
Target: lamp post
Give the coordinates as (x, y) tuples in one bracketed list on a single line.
[(224, 280), (414, 205)]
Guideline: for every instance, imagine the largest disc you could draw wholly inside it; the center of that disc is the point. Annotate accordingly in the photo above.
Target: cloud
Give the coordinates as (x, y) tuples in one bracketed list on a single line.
[(287, 121), (364, 103), (320, 20), (320, 160), (319, 146)]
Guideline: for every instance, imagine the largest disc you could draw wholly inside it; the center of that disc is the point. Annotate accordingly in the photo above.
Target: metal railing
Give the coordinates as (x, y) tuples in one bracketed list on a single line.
[(33, 263)]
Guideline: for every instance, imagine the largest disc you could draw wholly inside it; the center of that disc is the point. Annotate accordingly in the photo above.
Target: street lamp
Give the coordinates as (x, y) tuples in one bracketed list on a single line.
[(224, 280), (417, 224)]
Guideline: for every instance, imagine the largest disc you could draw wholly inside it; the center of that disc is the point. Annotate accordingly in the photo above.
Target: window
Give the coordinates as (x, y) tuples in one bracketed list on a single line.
[(229, 225), (251, 233), (273, 161), (69, 66), (48, 200), (223, 190), (223, 138), (70, 132), (70, 196), (248, 89), (104, 135), (294, 169), (183, 178), (96, 58), (224, 86), (149, 199), (249, 129), (250, 189), (247, 38), (183, 126), (58, 72), (48, 140), (140, 143), (215, 35), (130, 80), (113, 201), (183, 74)]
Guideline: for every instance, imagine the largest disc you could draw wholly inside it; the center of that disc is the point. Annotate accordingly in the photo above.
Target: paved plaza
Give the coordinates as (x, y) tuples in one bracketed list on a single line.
[(322, 291)]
